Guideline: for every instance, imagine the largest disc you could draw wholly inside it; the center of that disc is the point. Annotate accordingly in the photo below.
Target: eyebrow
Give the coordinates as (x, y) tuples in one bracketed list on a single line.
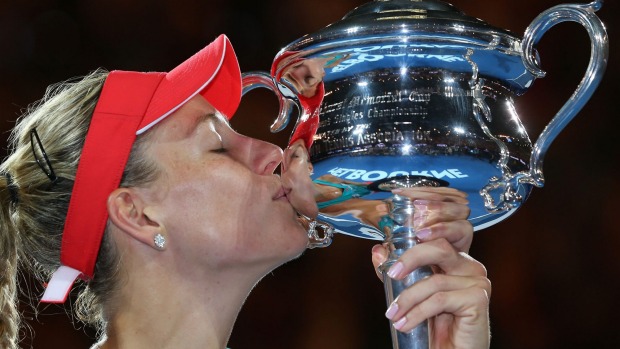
[(203, 118), (214, 117)]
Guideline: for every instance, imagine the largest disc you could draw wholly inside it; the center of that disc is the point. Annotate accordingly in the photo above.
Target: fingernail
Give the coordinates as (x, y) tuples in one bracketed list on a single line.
[(376, 249), (400, 323), (421, 205), (395, 270), (423, 233), (418, 221), (392, 310)]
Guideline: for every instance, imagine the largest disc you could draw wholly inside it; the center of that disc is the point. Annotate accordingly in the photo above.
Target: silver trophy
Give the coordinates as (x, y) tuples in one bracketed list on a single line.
[(403, 93)]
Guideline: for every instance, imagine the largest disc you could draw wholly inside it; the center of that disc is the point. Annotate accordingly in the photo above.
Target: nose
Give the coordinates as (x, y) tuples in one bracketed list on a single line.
[(264, 157)]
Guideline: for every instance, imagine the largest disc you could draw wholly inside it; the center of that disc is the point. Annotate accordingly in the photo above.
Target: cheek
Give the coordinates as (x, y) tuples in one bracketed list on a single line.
[(211, 225), (197, 199)]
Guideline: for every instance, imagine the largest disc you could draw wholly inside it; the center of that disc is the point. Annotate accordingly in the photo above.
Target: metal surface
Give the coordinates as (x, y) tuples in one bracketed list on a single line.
[(419, 88), (399, 237), (409, 88)]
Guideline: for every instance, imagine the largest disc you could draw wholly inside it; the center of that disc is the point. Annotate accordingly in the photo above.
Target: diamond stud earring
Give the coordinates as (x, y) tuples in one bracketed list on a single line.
[(160, 241)]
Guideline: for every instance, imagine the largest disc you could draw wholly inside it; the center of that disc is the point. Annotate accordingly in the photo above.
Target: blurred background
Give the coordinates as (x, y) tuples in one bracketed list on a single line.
[(554, 264)]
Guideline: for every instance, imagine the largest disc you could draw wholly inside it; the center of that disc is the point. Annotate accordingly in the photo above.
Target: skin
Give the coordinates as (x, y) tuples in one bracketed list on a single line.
[(213, 187), (456, 298), (300, 188)]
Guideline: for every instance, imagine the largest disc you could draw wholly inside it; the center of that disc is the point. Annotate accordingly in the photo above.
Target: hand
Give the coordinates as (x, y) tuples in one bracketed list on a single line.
[(456, 298)]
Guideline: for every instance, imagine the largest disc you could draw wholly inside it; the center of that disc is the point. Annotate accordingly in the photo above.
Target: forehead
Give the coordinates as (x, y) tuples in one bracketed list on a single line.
[(183, 121)]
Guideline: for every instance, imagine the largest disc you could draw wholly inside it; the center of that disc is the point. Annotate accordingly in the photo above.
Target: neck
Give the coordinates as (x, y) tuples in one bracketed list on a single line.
[(167, 309)]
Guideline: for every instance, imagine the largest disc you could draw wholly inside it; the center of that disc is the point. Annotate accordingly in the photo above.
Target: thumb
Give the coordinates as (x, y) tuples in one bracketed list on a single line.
[(379, 255)]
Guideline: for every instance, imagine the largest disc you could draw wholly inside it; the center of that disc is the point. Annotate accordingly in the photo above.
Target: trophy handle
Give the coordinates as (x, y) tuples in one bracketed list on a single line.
[(599, 49), (285, 96), (320, 233)]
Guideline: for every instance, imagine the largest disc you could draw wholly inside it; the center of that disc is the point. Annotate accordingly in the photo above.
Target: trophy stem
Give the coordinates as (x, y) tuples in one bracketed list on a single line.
[(399, 238)]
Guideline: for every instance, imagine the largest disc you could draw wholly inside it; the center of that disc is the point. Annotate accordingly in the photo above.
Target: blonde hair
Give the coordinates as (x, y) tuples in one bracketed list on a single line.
[(33, 208)]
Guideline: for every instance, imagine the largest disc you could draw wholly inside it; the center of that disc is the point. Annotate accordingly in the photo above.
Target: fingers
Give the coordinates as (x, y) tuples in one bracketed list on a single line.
[(441, 213), (464, 298), (379, 256), (440, 253), (457, 296), (424, 290), (460, 289), (438, 211), (437, 219), (433, 210)]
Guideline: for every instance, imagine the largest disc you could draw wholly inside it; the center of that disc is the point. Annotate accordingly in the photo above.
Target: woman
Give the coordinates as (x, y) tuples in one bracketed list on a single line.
[(135, 185)]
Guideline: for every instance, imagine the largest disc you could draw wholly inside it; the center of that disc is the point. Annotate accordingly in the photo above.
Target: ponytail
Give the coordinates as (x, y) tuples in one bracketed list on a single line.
[(33, 208), (9, 316)]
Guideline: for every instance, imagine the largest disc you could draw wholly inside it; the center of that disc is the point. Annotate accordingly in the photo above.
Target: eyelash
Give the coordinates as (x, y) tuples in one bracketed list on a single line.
[(219, 150)]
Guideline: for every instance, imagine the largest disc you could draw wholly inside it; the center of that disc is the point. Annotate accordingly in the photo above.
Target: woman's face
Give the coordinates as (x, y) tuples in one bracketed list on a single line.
[(217, 195), (296, 170)]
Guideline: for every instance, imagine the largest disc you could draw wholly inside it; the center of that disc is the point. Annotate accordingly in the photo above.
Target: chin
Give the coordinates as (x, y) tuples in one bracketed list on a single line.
[(291, 242), (299, 241), (292, 252)]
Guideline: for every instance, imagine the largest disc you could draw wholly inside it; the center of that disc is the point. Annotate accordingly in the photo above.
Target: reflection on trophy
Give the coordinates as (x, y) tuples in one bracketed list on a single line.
[(404, 93)]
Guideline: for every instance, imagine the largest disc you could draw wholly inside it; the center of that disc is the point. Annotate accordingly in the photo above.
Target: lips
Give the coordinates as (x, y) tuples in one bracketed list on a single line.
[(281, 194)]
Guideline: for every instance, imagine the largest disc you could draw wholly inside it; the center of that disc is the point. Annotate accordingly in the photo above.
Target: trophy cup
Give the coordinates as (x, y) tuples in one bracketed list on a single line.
[(404, 93)]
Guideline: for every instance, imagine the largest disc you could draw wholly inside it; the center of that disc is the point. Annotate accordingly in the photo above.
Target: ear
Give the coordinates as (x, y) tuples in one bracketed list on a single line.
[(127, 210)]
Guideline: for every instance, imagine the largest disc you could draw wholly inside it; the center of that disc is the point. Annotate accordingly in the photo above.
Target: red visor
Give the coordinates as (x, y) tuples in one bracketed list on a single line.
[(130, 103)]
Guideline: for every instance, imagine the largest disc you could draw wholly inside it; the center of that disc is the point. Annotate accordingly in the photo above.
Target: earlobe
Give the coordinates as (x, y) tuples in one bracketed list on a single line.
[(127, 211)]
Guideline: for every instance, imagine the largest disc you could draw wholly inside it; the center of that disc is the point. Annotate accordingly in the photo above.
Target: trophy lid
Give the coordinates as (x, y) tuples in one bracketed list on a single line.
[(423, 12), (434, 33), (395, 18)]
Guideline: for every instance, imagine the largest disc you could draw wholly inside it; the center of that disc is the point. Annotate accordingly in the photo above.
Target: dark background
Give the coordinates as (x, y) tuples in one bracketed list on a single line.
[(554, 264)]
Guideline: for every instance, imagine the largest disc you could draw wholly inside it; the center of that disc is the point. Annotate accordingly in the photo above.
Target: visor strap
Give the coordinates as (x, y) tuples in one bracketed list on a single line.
[(60, 285)]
